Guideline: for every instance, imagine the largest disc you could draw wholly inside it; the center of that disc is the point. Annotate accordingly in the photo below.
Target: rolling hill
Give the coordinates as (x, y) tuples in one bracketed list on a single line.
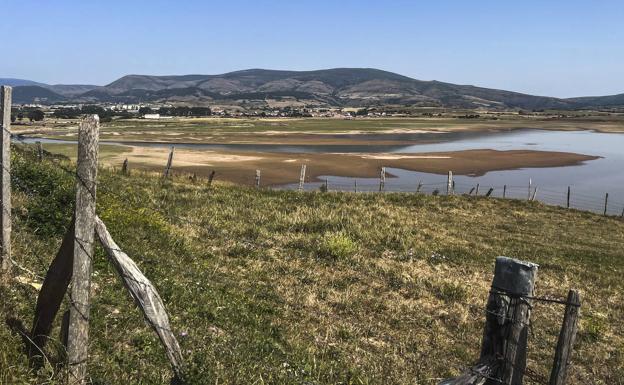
[(331, 87)]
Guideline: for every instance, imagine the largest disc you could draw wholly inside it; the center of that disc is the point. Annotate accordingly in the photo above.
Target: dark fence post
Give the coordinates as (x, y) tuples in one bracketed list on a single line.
[(86, 175), (503, 350), (169, 162), (124, 167), (504, 191), (606, 204), (5, 178), (568, 199), (566, 339)]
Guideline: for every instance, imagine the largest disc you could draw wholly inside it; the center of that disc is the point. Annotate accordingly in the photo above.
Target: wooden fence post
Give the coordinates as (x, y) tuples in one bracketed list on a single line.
[(382, 179), (490, 191), (124, 167), (505, 335), (355, 185), (257, 178), (530, 185), (302, 177), (606, 204), (565, 344), (419, 186), (5, 178), (507, 318), (169, 162), (534, 194), (477, 191), (211, 177), (86, 175), (449, 183), (39, 151), (568, 199), (504, 191), (326, 185)]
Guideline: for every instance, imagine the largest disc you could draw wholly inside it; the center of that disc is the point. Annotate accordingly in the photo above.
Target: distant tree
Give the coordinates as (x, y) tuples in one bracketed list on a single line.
[(20, 116), (145, 110), (35, 115)]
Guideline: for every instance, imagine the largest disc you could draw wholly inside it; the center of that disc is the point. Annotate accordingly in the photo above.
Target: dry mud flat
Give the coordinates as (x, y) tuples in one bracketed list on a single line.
[(282, 168)]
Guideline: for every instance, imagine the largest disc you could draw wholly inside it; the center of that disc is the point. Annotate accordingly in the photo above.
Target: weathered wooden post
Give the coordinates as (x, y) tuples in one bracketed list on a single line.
[(490, 191), (477, 190), (5, 179), (449, 183), (39, 152), (326, 185), (419, 186), (257, 178), (124, 167), (355, 185), (504, 345), (568, 199), (471, 191), (302, 176), (169, 162), (606, 204), (567, 336), (530, 185), (534, 194), (382, 179), (86, 175), (211, 177)]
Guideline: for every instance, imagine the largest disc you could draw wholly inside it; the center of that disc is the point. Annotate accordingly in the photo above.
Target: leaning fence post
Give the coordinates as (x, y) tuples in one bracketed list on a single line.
[(39, 152), (5, 179), (86, 175), (302, 177), (606, 204), (534, 194), (169, 162), (490, 191), (568, 199), (565, 344), (449, 183), (257, 178), (382, 179)]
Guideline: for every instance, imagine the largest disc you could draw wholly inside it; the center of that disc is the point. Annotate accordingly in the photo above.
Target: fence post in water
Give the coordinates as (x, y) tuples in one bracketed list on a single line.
[(39, 152), (382, 179), (169, 162), (606, 203), (504, 191), (449, 183), (257, 178), (86, 175), (124, 167), (5, 179), (568, 199), (489, 192), (302, 177), (567, 336)]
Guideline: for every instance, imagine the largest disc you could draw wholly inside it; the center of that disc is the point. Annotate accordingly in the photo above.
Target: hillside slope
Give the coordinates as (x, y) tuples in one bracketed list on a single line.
[(339, 86), (291, 288)]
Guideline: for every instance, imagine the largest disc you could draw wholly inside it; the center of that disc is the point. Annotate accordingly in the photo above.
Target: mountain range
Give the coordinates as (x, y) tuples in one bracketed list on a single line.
[(352, 87)]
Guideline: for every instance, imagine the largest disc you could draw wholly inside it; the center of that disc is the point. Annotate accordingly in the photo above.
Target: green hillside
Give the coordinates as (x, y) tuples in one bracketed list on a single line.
[(281, 287)]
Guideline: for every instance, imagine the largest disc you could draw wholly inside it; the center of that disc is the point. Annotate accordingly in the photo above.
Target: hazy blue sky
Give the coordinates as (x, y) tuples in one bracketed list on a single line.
[(549, 47)]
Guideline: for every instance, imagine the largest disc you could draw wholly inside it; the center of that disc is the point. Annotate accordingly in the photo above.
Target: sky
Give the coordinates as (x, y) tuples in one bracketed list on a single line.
[(560, 48)]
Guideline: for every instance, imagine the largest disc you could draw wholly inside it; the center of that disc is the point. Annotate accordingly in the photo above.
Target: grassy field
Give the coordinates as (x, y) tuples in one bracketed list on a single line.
[(280, 287)]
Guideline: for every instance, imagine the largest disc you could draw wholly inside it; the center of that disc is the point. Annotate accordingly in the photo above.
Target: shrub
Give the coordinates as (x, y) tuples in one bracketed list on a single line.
[(337, 246)]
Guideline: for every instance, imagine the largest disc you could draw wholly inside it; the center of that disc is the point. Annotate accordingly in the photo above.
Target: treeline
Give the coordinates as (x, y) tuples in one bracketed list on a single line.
[(104, 114), (32, 114), (177, 111)]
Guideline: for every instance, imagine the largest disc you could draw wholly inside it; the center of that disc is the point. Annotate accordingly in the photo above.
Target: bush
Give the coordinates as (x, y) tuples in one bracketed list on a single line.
[(337, 246)]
